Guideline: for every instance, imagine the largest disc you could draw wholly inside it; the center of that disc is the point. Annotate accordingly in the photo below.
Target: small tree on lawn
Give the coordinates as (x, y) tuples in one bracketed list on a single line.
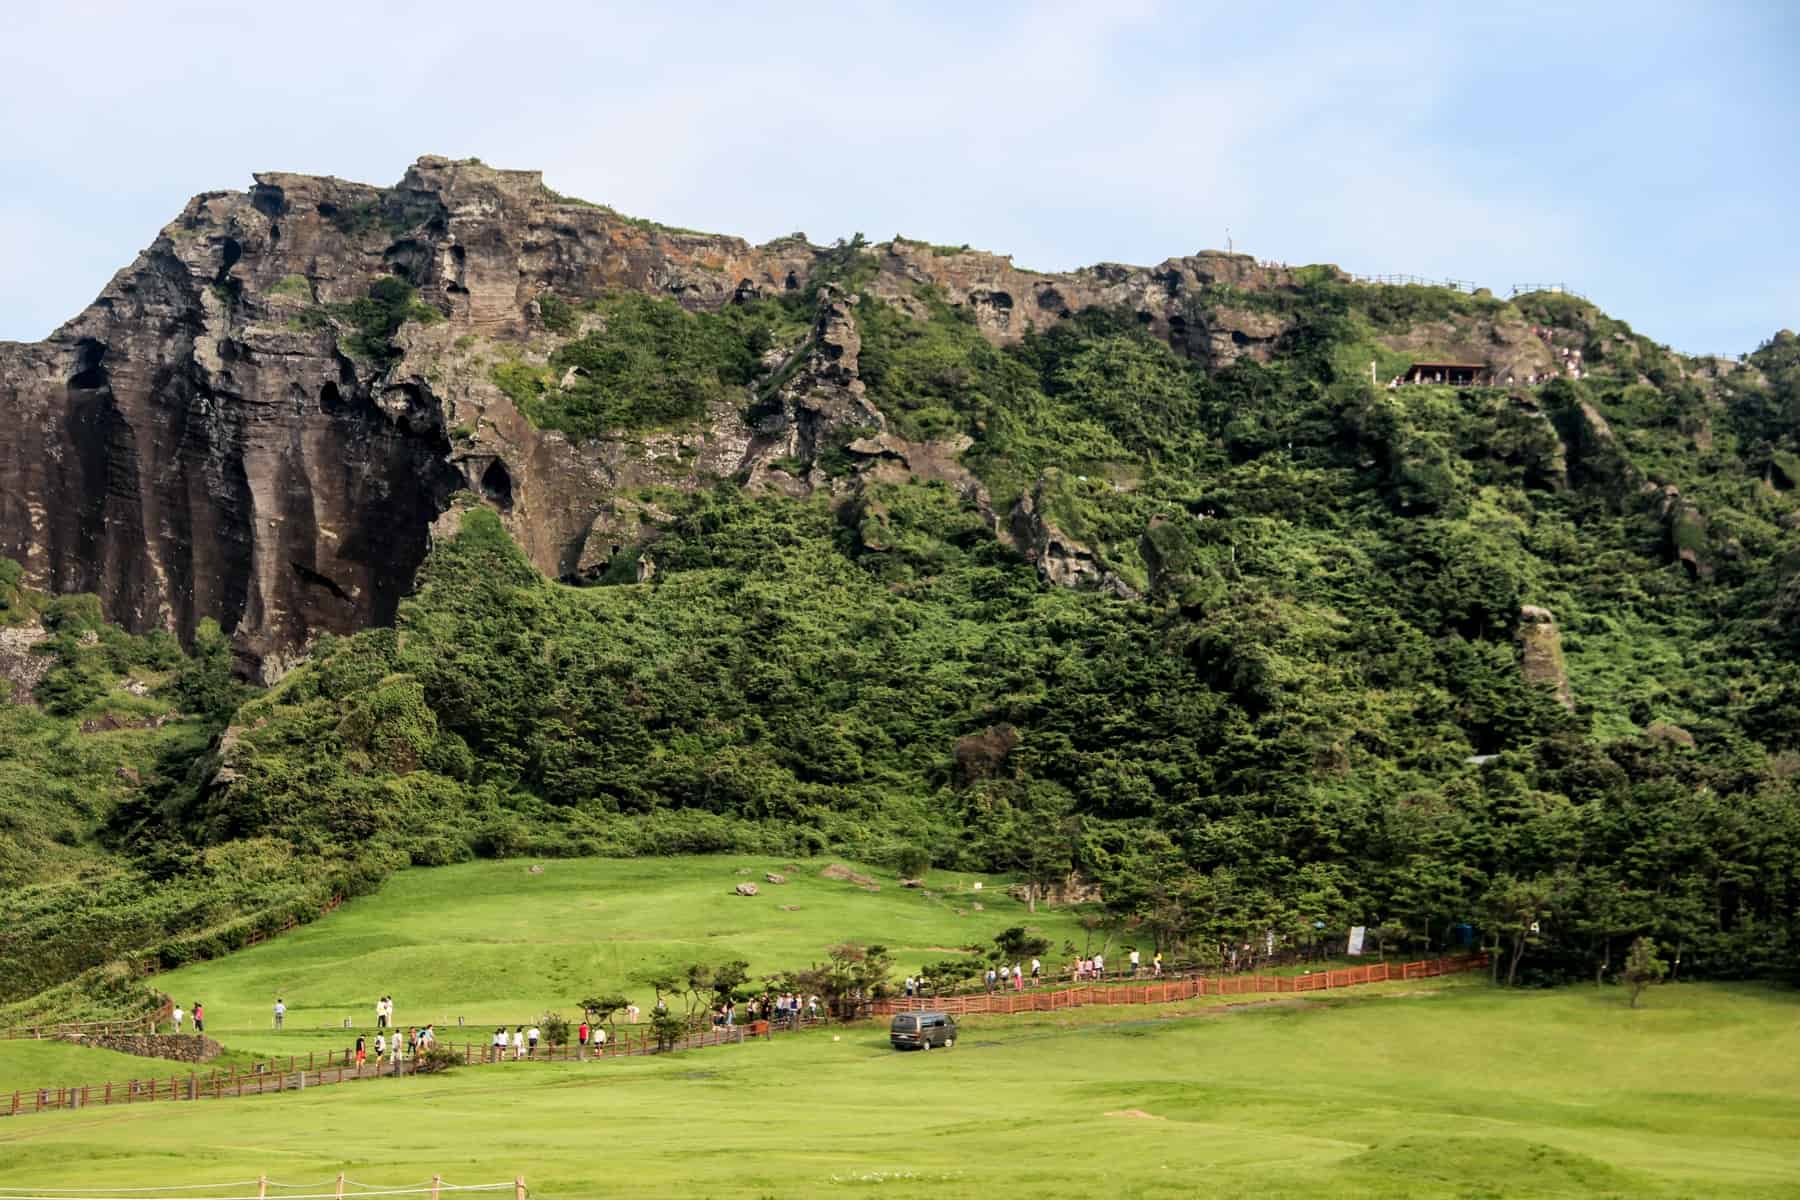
[(555, 1029), (668, 1028), (601, 1010), (1643, 967), (1015, 944), (912, 862)]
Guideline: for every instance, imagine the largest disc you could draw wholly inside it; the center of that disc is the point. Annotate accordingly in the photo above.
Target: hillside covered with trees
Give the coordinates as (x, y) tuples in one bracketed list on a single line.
[(1254, 643)]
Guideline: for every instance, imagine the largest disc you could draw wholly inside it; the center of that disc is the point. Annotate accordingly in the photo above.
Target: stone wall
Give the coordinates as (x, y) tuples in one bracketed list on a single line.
[(181, 1047)]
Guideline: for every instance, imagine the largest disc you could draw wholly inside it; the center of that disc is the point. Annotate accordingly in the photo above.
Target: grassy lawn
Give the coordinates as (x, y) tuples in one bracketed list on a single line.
[(1445, 1089), (491, 942)]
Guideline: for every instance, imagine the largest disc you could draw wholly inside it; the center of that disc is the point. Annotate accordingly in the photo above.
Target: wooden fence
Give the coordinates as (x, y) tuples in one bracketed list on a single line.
[(1164, 991), (340, 1066), (298, 1072), (343, 1186), (121, 1025)]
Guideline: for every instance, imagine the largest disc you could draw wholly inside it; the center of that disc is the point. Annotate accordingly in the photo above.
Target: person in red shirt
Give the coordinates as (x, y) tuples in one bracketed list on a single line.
[(199, 1017), (581, 1035)]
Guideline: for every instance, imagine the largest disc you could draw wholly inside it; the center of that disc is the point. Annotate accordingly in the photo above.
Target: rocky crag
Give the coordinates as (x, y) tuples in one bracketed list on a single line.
[(209, 438)]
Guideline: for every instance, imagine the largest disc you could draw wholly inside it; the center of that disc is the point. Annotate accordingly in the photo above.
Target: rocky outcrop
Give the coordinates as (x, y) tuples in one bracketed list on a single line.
[(1060, 559), (213, 437), (820, 401), (20, 666), (1540, 653), (1686, 530)]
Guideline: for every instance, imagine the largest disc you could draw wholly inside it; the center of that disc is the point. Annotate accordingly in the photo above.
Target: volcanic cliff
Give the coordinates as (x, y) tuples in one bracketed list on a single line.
[(214, 436)]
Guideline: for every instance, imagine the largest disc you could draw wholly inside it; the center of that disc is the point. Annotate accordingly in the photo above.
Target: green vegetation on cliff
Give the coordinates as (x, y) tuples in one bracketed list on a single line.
[(1310, 713)]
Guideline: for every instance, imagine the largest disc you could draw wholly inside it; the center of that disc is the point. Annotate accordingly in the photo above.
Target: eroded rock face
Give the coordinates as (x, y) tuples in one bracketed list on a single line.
[(202, 442), (20, 667), (1540, 652), (1060, 559)]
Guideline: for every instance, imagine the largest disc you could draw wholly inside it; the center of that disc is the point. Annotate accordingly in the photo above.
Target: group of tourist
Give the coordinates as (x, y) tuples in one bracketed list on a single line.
[(524, 1042), (1088, 968), (176, 1015), (786, 1008), (396, 1049)]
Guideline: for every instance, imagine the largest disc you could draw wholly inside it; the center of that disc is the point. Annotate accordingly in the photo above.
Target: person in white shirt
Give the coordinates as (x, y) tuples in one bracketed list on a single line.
[(1037, 971), (631, 1012), (1099, 966), (598, 1037), (177, 1015), (280, 1013), (1134, 962), (518, 1042), (500, 1043), (532, 1040), (380, 1046)]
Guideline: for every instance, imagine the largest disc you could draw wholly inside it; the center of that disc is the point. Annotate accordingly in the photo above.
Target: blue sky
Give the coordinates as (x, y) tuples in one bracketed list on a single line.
[(1643, 153)]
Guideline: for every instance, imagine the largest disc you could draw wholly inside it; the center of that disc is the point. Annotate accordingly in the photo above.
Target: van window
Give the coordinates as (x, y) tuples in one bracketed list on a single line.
[(905, 1022)]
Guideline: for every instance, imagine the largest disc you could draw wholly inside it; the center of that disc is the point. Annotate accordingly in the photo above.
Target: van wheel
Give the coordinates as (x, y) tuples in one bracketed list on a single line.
[(926, 1044), (949, 1043)]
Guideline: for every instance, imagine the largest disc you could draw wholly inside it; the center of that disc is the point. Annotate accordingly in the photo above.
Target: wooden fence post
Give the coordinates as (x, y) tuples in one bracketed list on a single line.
[(436, 1182), (262, 1186), (519, 1188), (340, 1183)]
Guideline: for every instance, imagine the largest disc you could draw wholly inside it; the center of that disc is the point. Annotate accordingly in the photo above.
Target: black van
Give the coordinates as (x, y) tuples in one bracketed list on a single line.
[(922, 1031)]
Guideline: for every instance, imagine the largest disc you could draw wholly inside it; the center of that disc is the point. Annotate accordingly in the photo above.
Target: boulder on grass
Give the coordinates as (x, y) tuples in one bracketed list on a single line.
[(746, 889)]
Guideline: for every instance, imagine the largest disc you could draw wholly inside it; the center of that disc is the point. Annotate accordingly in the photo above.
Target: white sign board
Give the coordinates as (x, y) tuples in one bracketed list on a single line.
[(1356, 940)]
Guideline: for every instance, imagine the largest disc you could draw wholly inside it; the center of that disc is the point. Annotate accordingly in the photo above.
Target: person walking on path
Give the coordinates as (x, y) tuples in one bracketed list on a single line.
[(599, 1039), (199, 1018), (1134, 962), (1156, 964), (500, 1043), (280, 1012), (380, 1048), (1018, 974), (1037, 971), (176, 1016), (532, 1038), (381, 1012), (631, 1013), (362, 1051), (518, 1042), (1099, 966), (581, 1039)]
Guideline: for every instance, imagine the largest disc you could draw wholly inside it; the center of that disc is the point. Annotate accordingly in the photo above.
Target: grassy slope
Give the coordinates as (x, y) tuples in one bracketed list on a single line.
[(492, 942), (1456, 1090)]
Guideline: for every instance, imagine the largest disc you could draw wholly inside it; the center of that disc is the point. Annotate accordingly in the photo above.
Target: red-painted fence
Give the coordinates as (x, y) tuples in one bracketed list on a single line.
[(1162, 992)]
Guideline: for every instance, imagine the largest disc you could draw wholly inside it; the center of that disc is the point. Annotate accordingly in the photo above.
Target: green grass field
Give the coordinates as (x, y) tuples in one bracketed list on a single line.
[(1453, 1089), (491, 942)]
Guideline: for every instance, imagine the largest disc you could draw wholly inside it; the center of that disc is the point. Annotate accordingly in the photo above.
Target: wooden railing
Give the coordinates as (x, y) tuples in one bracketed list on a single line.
[(1167, 990), (297, 1072), (119, 1025), (340, 1066)]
